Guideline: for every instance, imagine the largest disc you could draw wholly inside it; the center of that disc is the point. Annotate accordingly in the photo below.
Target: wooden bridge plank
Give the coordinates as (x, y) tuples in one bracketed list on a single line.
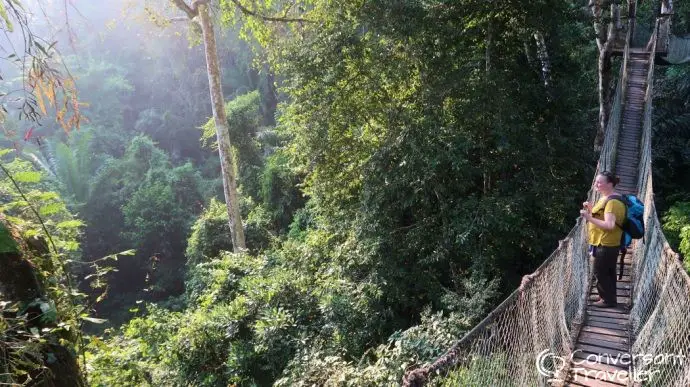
[(624, 169), (601, 355), (594, 365), (619, 310), (626, 176), (629, 146), (626, 273), (613, 312), (631, 139), (583, 376), (607, 320), (605, 331), (620, 284), (632, 145), (600, 324), (587, 340), (619, 313), (594, 293), (625, 162), (622, 301), (593, 359), (614, 377), (605, 337)]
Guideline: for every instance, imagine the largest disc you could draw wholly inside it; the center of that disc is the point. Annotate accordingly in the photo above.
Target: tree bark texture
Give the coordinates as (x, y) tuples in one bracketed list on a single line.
[(225, 150), (47, 363), (545, 61), (605, 35), (489, 45)]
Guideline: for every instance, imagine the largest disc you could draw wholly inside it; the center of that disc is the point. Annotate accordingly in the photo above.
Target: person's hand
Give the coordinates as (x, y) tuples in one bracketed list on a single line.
[(587, 206), (585, 214)]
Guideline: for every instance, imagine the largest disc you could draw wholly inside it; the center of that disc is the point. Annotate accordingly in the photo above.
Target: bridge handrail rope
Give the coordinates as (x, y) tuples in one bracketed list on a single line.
[(545, 313)]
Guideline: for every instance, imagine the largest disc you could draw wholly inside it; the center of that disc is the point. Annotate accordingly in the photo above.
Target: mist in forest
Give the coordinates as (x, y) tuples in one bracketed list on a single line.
[(142, 86)]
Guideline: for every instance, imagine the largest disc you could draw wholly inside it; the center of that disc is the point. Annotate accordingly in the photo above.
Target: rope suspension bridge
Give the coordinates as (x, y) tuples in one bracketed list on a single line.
[(546, 333)]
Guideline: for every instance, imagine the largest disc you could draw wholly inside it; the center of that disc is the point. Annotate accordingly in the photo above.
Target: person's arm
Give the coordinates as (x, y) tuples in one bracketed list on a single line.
[(608, 224)]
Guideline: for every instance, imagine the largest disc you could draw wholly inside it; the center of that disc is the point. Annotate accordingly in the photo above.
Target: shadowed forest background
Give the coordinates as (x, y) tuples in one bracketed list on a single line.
[(400, 166)]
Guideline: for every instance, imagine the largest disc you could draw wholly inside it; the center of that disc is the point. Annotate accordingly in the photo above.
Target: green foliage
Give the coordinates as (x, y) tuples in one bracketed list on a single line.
[(244, 120), (473, 374), (59, 222), (279, 191), (671, 137), (103, 85), (383, 365), (49, 234), (203, 346), (242, 326), (217, 280), (676, 225), (74, 166), (137, 356), (160, 200), (211, 231), (150, 206), (680, 22), (7, 243), (428, 157), (210, 234), (258, 229)]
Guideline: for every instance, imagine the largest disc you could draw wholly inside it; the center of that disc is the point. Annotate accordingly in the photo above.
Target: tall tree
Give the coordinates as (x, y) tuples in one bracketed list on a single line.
[(605, 34), (198, 11)]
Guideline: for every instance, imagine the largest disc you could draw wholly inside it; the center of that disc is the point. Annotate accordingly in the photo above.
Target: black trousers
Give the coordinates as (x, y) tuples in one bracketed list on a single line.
[(605, 272)]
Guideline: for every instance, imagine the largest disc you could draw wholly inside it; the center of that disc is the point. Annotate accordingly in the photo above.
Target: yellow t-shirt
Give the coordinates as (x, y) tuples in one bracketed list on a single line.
[(600, 237)]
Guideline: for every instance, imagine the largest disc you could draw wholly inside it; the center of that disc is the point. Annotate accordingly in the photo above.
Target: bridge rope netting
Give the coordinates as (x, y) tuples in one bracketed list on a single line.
[(546, 313)]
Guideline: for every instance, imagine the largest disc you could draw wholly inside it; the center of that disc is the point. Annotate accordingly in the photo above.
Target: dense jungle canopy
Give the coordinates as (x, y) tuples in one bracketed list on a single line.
[(398, 166)]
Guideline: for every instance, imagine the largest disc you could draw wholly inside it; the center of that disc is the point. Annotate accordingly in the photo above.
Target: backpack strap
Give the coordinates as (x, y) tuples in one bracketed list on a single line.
[(620, 199)]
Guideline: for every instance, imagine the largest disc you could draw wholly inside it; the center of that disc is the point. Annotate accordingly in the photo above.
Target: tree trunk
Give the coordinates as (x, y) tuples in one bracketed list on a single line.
[(270, 98), (225, 150), (605, 82), (489, 45), (605, 38), (545, 61)]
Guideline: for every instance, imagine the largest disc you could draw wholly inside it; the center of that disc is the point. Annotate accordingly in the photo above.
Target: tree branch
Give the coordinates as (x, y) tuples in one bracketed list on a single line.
[(191, 12), (265, 17)]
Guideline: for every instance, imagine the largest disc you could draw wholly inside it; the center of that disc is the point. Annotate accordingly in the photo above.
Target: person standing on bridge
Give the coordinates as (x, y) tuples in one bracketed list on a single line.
[(604, 234)]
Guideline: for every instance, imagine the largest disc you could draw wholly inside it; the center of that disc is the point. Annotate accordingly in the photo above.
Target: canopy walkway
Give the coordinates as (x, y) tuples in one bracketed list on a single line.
[(546, 333)]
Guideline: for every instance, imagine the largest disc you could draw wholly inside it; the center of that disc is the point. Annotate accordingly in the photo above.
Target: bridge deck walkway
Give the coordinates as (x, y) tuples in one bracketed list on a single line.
[(601, 355)]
